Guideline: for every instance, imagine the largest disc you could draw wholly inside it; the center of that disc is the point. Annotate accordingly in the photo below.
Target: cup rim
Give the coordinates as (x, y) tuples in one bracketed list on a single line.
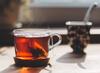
[(29, 32), (78, 23)]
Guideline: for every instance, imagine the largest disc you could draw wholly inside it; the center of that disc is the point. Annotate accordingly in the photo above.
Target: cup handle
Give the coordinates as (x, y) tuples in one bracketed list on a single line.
[(57, 43)]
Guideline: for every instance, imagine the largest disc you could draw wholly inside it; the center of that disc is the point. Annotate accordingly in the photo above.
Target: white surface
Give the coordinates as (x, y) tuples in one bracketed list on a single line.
[(95, 31), (64, 31), (59, 30), (62, 3), (61, 60)]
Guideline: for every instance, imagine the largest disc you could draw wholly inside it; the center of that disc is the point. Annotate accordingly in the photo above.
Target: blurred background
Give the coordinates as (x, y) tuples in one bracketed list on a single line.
[(42, 14)]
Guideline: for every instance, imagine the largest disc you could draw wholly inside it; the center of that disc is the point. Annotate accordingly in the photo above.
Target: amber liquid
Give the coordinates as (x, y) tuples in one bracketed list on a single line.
[(31, 48)]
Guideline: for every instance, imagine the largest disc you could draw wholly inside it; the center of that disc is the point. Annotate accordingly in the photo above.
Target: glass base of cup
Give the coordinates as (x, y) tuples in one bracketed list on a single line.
[(31, 63)]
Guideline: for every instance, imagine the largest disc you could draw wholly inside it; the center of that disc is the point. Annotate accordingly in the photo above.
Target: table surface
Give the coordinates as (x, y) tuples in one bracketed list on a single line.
[(60, 58)]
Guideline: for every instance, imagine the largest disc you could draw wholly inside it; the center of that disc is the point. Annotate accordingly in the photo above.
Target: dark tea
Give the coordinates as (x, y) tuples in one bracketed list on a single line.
[(32, 47)]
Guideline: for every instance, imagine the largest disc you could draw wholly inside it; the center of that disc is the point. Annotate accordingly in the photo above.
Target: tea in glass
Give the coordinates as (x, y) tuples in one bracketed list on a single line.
[(32, 47)]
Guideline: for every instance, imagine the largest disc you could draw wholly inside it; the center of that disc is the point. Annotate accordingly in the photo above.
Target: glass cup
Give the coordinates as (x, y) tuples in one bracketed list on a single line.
[(78, 36), (32, 46)]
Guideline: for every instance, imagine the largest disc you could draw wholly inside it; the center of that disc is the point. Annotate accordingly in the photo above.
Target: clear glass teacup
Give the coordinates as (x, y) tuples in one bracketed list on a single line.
[(32, 46)]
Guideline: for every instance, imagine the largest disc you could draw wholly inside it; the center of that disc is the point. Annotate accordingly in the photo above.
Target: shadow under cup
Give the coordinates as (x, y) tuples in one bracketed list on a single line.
[(31, 47)]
